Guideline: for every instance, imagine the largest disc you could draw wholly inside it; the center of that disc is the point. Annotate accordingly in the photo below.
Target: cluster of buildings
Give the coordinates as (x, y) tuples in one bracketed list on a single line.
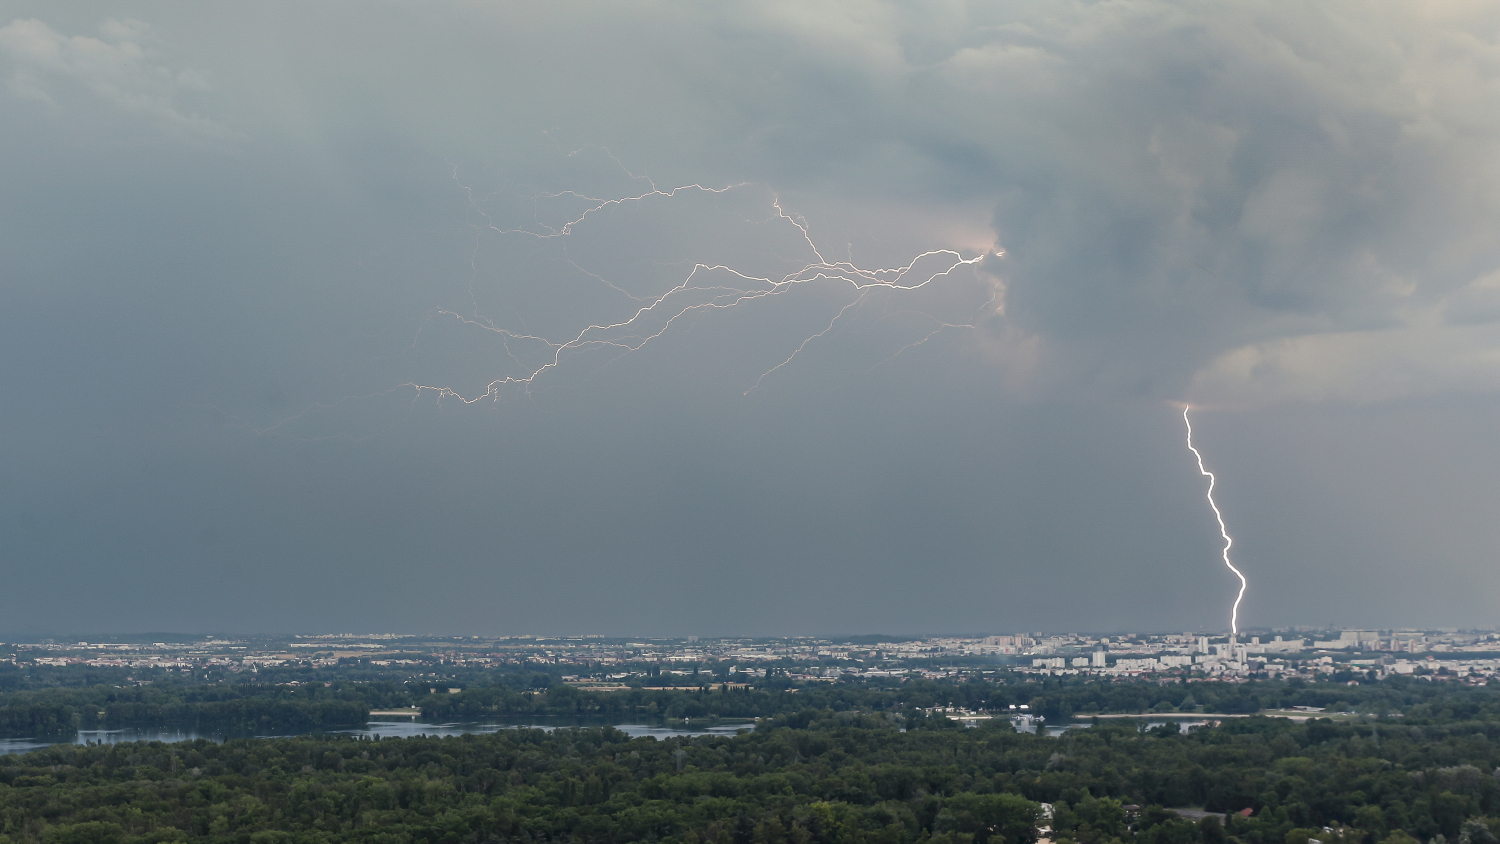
[(1470, 655), (1445, 654)]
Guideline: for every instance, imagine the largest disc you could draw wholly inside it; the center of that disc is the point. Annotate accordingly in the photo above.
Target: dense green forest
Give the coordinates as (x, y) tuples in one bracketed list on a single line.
[(809, 776), (1055, 698), (62, 711), (274, 704)]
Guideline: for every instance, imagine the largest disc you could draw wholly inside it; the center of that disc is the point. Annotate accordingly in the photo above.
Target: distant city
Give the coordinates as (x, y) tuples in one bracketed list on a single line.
[(603, 664)]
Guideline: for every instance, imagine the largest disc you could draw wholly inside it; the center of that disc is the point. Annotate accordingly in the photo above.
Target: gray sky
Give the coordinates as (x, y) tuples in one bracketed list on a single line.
[(233, 239)]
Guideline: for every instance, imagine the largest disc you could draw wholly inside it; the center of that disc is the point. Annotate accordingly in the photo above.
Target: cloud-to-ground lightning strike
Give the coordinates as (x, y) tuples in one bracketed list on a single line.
[(1234, 614)]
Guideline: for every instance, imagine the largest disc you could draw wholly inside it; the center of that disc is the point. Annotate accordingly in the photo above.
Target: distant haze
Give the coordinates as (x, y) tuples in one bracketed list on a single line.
[(229, 235)]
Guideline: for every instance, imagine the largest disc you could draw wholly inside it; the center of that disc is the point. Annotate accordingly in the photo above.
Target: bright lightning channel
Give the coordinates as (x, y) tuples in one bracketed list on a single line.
[(704, 290), (649, 317), (861, 281), (1234, 614)]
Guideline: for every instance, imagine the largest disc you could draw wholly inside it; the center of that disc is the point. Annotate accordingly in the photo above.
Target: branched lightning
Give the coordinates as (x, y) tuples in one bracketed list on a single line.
[(705, 288), (1234, 614), (939, 329), (860, 281)]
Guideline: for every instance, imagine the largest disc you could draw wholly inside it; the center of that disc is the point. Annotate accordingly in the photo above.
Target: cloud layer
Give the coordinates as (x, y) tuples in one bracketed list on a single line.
[(229, 236)]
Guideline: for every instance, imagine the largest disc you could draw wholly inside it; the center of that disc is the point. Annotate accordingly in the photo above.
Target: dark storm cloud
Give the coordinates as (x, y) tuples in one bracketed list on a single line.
[(230, 234), (1180, 183)]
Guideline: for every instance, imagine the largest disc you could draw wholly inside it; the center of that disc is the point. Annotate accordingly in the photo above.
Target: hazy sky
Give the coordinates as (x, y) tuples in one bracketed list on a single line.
[(233, 237)]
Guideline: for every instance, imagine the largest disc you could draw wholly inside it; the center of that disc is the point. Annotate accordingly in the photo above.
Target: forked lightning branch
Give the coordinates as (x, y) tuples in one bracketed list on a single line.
[(528, 357), (728, 288)]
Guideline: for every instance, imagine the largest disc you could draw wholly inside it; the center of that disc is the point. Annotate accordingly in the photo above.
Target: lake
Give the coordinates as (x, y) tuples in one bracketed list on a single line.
[(373, 729)]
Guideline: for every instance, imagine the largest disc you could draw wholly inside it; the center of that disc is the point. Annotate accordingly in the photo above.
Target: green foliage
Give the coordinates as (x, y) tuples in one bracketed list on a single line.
[(56, 702), (828, 764), (815, 777), (55, 712)]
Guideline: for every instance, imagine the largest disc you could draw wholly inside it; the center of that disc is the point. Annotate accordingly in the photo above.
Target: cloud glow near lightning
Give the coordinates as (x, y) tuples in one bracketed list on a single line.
[(705, 288), (1234, 614), (861, 281)]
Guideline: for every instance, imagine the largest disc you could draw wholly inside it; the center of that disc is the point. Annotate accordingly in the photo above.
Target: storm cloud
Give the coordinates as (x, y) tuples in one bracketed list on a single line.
[(231, 239)]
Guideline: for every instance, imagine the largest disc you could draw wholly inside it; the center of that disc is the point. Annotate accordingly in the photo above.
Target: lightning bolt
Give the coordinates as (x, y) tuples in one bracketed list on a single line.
[(598, 335), (941, 327), (704, 288), (1234, 614)]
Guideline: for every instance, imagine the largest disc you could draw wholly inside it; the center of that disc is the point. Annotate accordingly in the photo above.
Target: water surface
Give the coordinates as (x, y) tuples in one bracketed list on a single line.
[(373, 729)]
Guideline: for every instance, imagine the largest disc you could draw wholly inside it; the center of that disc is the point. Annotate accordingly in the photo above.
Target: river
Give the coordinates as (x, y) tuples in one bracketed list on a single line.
[(407, 728), (373, 729)]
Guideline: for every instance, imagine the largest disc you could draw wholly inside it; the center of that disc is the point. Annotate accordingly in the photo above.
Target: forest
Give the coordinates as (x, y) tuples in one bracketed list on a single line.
[(283, 703), (806, 776)]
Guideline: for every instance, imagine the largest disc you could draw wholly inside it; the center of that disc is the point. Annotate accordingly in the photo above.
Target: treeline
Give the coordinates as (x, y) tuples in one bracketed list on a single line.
[(708, 702), (245, 704), (246, 714), (812, 777), (1061, 698), (1055, 698), (61, 711)]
